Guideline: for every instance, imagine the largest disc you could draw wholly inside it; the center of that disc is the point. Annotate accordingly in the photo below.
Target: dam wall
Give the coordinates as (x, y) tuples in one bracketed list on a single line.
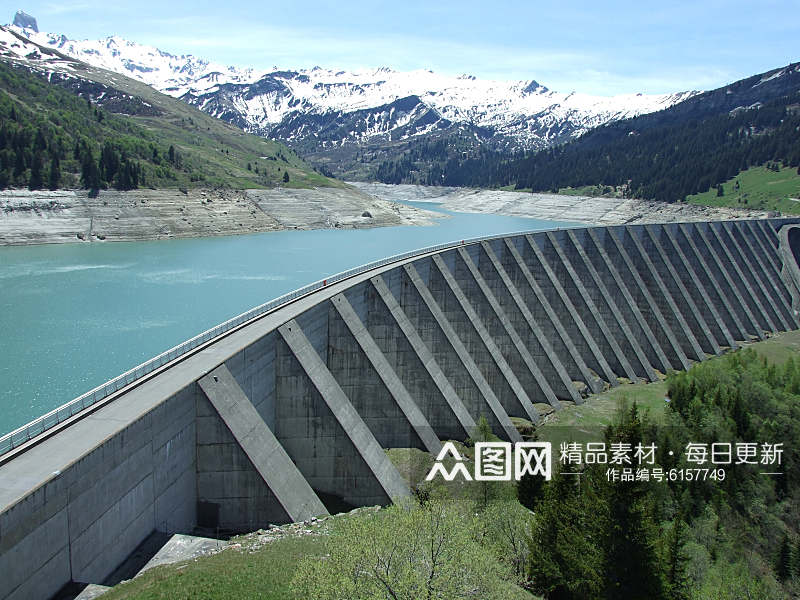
[(288, 415)]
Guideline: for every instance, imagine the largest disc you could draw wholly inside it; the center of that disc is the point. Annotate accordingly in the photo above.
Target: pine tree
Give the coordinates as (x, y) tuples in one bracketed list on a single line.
[(54, 178), (677, 580), (109, 162), (128, 176), (90, 174), (530, 488), (631, 565), (286, 177), (40, 143), (797, 559), (486, 492), (565, 551), (783, 566), (36, 181), (19, 161)]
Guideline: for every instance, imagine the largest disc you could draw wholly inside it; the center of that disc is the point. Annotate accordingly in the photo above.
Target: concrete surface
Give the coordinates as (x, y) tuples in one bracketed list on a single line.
[(290, 415), (182, 547)]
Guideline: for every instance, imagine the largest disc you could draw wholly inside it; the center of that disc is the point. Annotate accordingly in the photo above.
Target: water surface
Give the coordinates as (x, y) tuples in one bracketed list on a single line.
[(75, 315)]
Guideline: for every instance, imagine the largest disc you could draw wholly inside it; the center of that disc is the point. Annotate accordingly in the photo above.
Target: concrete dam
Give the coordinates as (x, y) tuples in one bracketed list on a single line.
[(287, 414)]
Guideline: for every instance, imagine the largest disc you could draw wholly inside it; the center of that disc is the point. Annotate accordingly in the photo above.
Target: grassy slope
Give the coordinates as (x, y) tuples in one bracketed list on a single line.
[(587, 422), (206, 137), (759, 188), (221, 152), (780, 347), (229, 575)]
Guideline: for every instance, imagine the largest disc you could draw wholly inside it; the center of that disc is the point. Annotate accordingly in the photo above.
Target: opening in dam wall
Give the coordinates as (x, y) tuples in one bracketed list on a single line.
[(285, 413)]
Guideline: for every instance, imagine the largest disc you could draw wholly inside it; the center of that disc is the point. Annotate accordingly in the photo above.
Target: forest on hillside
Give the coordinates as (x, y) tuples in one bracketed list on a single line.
[(726, 536), (667, 160), (706, 538), (51, 138), (63, 132)]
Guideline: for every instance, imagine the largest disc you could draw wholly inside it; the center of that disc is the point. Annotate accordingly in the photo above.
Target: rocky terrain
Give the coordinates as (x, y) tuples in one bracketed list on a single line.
[(43, 217), (554, 207)]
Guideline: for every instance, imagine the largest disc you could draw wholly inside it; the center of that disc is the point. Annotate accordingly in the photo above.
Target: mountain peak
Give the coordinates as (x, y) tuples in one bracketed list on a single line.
[(534, 87), (26, 21)]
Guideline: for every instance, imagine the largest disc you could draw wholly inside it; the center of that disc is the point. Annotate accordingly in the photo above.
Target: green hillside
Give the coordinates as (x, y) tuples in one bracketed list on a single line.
[(110, 131), (761, 188)]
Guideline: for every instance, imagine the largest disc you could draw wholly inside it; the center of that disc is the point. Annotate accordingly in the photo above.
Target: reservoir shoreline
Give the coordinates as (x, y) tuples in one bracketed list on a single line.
[(557, 207), (69, 216), (45, 217)]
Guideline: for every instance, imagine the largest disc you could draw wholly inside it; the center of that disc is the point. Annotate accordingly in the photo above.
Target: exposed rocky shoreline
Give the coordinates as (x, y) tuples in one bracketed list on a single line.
[(555, 207), (44, 217)]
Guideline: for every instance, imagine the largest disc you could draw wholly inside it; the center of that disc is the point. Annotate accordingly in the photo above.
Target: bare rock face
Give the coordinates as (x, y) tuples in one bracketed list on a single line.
[(554, 207), (42, 217), (581, 388), (26, 21)]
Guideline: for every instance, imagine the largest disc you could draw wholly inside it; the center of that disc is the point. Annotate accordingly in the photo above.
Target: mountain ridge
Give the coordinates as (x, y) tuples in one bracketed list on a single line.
[(668, 156), (330, 115)]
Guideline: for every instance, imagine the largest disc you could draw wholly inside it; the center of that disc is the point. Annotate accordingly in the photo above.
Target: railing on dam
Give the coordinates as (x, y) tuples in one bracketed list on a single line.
[(42, 424)]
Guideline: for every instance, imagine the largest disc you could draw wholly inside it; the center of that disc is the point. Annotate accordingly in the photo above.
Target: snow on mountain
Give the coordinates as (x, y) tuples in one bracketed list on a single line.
[(19, 48), (145, 63), (263, 100), (483, 103)]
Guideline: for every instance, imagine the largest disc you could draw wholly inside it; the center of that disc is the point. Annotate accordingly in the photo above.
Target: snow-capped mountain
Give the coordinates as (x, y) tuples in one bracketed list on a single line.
[(319, 109)]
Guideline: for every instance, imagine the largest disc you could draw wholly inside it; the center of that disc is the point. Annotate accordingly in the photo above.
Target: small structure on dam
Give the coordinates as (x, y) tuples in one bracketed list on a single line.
[(287, 414)]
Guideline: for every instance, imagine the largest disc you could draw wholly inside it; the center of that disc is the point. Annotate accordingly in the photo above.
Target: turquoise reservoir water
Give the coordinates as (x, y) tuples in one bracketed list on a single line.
[(75, 315)]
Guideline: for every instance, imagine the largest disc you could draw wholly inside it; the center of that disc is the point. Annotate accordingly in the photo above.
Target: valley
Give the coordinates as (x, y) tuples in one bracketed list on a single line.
[(381, 125)]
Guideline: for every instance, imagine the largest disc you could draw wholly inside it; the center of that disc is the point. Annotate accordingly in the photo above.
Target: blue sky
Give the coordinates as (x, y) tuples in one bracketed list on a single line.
[(595, 47)]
